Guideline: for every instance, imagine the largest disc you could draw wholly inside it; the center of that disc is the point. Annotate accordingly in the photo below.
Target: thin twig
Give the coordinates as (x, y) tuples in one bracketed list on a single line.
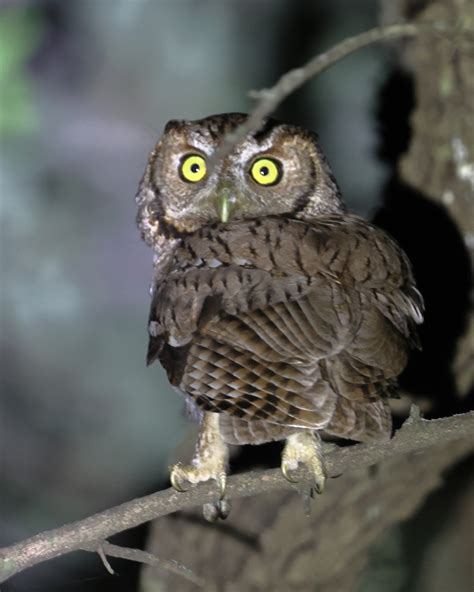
[(270, 98), (415, 435), (105, 549), (105, 561)]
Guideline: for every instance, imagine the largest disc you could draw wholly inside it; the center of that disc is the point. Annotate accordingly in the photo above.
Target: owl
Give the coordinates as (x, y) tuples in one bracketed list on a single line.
[(276, 313)]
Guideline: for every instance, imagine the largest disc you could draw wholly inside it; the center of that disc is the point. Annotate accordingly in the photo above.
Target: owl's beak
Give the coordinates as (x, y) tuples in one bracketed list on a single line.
[(224, 208)]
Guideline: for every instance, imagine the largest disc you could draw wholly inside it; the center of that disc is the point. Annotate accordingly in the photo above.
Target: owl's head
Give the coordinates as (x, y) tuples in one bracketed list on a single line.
[(280, 170)]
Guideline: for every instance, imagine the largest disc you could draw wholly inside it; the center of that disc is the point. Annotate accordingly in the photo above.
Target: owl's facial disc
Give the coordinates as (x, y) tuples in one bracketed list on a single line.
[(278, 171), (193, 168)]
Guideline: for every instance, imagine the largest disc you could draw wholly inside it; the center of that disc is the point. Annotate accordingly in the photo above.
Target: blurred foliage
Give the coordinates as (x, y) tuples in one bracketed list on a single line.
[(20, 34)]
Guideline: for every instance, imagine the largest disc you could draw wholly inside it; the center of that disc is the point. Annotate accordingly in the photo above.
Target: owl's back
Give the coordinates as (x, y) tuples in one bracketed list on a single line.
[(279, 324)]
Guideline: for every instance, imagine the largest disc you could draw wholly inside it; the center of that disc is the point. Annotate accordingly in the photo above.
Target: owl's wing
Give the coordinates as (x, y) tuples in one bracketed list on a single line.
[(278, 323)]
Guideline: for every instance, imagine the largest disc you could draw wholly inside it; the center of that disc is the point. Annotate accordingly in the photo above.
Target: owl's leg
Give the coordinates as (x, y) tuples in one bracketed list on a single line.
[(209, 462), (304, 447)]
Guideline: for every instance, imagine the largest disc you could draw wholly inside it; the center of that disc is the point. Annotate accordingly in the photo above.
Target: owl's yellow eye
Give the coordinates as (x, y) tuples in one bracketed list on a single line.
[(192, 168), (266, 171)]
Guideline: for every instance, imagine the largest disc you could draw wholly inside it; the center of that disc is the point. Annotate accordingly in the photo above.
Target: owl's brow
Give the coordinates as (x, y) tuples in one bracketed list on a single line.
[(199, 140), (205, 147)]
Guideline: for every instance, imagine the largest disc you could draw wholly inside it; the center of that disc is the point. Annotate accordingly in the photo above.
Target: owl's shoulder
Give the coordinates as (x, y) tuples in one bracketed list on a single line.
[(340, 243)]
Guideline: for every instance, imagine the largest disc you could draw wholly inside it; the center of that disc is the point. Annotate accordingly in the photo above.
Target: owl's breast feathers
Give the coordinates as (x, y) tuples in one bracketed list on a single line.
[(292, 324)]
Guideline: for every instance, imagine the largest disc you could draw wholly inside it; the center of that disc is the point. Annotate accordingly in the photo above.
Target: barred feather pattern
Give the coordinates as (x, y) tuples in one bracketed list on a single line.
[(280, 325)]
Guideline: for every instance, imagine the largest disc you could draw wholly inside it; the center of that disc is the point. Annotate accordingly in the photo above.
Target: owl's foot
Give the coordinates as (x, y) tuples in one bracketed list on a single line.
[(304, 447), (209, 462)]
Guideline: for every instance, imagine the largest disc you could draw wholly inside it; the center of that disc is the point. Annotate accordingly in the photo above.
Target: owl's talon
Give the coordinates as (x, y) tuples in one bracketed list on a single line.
[(193, 475), (319, 486), (222, 482), (174, 478), (304, 447), (214, 511), (287, 474), (209, 462)]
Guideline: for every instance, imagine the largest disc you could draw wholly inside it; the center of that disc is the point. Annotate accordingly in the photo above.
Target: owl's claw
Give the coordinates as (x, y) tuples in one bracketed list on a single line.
[(215, 510), (222, 482), (286, 473), (209, 462), (181, 474), (304, 447), (175, 477)]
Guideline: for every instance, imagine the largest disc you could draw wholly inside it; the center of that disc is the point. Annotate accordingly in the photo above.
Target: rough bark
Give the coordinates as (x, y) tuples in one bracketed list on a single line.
[(440, 160)]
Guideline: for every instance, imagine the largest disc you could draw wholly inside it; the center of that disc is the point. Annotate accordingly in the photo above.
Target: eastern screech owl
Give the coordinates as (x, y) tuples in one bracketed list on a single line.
[(275, 312)]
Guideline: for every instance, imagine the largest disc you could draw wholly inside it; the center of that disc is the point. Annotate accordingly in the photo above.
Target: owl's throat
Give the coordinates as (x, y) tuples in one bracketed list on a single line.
[(220, 209)]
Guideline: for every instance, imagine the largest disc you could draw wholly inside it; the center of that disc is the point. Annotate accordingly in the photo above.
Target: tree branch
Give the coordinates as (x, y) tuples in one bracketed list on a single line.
[(105, 549), (415, 435), (270, 98)]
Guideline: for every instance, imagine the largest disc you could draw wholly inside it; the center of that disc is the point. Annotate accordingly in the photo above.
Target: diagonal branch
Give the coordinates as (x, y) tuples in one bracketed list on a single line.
[(268, 99), (415, 435)]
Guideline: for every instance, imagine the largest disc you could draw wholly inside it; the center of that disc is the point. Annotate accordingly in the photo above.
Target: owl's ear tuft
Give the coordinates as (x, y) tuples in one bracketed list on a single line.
[(171, 125)]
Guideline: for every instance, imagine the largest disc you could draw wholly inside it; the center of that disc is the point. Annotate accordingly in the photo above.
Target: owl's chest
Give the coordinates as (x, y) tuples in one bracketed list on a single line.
[(187, 299), (240, 268)]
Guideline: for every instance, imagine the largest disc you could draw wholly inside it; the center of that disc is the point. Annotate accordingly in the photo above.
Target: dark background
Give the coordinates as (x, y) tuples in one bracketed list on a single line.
[(86, 88)]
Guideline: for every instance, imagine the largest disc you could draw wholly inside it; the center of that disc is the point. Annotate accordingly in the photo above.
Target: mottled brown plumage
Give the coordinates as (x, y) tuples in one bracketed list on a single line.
[(299, 325), (290, 317)]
